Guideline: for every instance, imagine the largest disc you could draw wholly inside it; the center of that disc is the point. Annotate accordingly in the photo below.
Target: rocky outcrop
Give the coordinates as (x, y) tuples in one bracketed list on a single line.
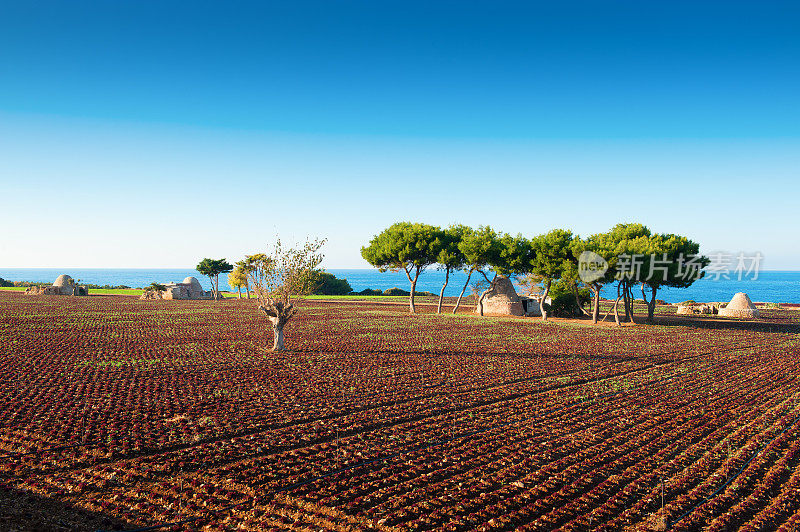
[(501, 299)]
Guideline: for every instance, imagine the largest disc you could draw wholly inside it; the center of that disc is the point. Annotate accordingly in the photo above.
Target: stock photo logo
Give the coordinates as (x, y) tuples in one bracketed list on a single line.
[(591, 266)]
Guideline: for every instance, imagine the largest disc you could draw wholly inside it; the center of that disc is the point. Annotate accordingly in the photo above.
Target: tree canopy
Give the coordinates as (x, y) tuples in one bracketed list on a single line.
[(551, 259), (449, 256), (212, 268), (278, 275), (626, 254), (238, 279), (406, 246)]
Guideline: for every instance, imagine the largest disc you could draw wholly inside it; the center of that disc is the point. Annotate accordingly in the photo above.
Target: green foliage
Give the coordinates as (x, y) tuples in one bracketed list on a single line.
[(158, 287), (328, 284), (448, 255), (515, 256), (395, 292), (670, 248), (405, 246), (563, 303), (370, 292), (551, 255), (214, 267), (5, 284), (480, 247), (602, 245), (411, 247)]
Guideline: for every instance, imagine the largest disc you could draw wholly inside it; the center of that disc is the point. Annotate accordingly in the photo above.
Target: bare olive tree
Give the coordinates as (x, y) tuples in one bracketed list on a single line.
[(280, 274)]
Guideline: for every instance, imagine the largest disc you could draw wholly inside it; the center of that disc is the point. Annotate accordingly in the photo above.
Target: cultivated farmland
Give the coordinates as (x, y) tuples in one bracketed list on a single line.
[(119, 413)]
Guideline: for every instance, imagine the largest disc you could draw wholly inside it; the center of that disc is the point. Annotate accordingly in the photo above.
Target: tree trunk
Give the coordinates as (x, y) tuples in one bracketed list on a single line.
[(596, 305), (458, 301), (626, 299), (578, 299), (413, 286), (278, 313), (480, 300), (247, 289), (240, 292), (411, 297), (651, 303), (441, 293), (211, 280), (277, 330), (629, 288), (620, 293), (544, 297)]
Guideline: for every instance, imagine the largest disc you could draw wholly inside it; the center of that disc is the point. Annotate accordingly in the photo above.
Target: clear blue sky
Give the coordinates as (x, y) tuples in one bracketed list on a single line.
[(212, 127)]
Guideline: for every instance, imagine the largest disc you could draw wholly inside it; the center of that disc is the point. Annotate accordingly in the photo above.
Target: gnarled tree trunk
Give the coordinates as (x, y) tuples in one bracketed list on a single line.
[(577, 295), (278, 313), (277, 330), (543, 298), (651, 303)]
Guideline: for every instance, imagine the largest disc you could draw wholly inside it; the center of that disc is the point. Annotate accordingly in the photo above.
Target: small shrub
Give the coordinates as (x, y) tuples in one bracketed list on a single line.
[(328, 284), (368, 292), (396, 292), (563, 301)]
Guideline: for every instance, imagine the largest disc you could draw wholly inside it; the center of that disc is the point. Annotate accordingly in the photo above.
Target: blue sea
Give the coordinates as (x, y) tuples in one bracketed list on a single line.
[(775, 286)]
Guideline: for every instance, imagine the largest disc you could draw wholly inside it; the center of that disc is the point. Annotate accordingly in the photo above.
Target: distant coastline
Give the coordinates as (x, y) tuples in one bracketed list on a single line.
[(776, 286)]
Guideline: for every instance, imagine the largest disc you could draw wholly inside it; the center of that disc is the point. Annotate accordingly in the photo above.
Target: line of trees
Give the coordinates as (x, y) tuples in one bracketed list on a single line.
[(549, 258)]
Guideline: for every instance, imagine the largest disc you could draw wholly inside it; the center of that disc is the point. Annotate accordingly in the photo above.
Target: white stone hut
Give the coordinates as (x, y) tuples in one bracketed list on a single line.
[(503, 300), (64, 285), (190, 288), (740, 307)]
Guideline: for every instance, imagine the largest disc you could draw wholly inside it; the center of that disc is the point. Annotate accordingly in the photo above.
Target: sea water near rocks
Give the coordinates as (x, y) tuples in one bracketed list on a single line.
[(775, 286)]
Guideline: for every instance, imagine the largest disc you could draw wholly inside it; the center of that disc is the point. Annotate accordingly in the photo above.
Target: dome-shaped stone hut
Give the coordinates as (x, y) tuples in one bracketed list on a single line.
[(501, 299), (64, 285), (64, 281), (740, 307), (190, 288), (195, 289)]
